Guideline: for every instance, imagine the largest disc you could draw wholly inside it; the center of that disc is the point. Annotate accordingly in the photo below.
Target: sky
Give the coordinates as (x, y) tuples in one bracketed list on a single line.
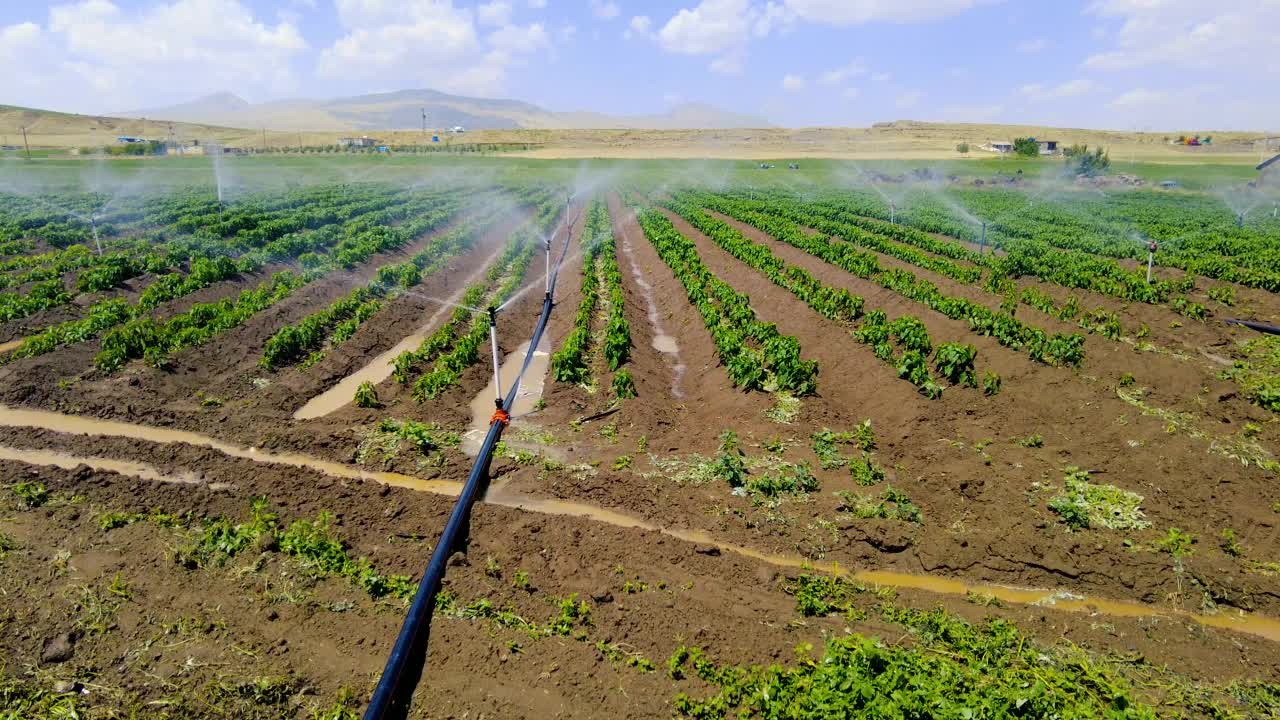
[(1160, 65)]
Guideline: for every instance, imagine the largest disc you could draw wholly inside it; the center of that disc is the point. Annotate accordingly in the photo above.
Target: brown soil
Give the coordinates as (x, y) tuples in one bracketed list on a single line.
[(191, 637)]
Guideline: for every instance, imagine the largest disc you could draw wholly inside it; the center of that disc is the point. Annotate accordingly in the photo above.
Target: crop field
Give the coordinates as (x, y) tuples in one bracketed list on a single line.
[(834, 442)]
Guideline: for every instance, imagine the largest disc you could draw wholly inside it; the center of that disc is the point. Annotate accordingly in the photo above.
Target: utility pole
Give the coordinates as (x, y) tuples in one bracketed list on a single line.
[(424, 121), (24, 141), (299, 143), (264, 140)]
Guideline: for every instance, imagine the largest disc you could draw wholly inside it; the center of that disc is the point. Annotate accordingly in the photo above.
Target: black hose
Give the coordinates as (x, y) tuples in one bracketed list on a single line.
[(1260, 327), (391, 698)]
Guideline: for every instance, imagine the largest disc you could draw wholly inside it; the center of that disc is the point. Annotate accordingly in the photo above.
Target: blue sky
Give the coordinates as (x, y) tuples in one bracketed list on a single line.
[(1124, 64)]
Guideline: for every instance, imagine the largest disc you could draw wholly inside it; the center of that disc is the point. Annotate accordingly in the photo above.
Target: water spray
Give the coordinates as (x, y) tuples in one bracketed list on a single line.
[(982, 247), (1151, 258), (1240, 220), (493, 345), (893, 213), (93, 223)]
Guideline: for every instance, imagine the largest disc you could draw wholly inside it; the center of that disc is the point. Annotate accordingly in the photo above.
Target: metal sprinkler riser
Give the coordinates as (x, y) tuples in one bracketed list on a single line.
[(493, 346)]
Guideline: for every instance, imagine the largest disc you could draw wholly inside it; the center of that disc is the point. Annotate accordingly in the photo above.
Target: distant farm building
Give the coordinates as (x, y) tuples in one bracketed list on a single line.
[(129, 140), (215, 149), (1047, 147), (361, 142)]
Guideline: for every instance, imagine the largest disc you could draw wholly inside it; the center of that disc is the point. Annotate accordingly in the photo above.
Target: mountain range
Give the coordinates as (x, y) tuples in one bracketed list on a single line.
[(403, 109)]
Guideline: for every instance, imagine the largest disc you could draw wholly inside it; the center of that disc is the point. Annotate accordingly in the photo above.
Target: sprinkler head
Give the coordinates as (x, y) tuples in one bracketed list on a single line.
[(493, 316), (497, 403)]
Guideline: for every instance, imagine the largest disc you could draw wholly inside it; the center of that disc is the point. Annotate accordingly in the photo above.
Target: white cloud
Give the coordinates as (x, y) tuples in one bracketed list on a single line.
[(839, 75), (720, 27), (605, 9), (426, 42), (793, 83), (711, 27), (1140, 98), (730, 64), (494, 13), (1226, 35), (908, 99), (856, 12), (94, 54), (638, 27), (1032, 45), (1071, 88), (537, 4)]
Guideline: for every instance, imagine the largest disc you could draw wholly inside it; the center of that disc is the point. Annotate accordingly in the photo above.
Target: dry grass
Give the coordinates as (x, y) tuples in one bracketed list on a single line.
[(903, 139)]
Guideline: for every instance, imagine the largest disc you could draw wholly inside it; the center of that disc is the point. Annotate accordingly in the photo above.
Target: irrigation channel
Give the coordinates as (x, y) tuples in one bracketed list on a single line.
[(381, 367), (1253, 624)]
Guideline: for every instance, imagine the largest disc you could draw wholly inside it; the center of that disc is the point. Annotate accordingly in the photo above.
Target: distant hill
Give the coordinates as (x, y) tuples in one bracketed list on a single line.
[(402, 110)]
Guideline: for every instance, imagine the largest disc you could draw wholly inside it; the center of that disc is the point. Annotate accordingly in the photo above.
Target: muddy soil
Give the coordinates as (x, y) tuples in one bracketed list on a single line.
[(606, 497), (111, 610)]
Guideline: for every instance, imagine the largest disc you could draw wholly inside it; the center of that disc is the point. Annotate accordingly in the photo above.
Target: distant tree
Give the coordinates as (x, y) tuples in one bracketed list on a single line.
[(1182, 139), (1027, 147), (1075, 150), (963, 148), (1090, 164), (1208, 140)]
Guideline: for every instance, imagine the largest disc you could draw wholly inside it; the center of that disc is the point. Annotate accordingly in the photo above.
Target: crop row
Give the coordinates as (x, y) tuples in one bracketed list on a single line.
[(145, 337), (599, 272), (446, 351), (755, 355), (335, 324), (205, 271), (1057, 348), (99, 273), (1030, 254), (953, 359)]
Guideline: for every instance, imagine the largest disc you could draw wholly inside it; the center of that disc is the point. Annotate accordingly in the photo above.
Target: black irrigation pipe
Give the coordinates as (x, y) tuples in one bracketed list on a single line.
[(1260, 327), (392, 697)]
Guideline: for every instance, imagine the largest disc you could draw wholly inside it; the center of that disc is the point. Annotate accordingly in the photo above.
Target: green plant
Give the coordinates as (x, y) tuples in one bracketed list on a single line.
[(492, 568), (1026, 147), (950, 668), (1224, 294), (990, 383), (367, 396), (623, 384), (1083, 504), (623, 462), (955, 362), (864, 436), (30, 494), (520, 580), (1230, 545), (119, 587), (730, 464), (891, 504), (865, 470), (1127, 380), (1035, 440), (1176, 542)]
